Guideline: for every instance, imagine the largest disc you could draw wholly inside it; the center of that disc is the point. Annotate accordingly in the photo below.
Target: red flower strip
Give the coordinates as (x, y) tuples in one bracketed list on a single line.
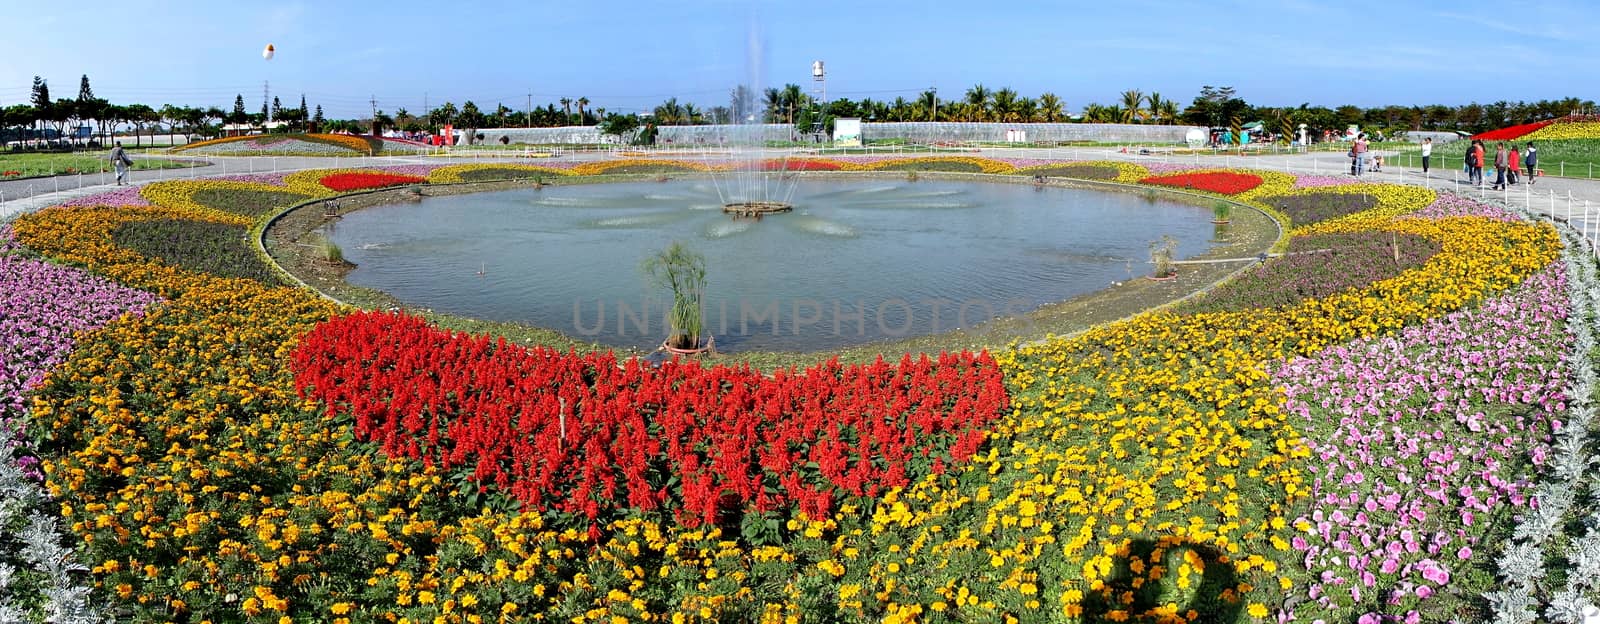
[(583, 434), (357, 181), (1222, 182), (1513, 132)]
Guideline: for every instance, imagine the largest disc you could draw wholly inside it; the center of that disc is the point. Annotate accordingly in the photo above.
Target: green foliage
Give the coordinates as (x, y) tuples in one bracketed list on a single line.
[(1080, 172), (508, 173), (247, 203), (935, 165), (683, 271), (1221, 210), (329, 251), (214, 248)]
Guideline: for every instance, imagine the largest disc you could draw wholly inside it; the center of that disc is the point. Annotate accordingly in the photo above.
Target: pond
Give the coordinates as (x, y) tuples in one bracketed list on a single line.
[(856, 261)]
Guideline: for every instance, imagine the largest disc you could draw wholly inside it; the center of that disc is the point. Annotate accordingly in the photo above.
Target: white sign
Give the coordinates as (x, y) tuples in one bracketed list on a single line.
[(847, 132)]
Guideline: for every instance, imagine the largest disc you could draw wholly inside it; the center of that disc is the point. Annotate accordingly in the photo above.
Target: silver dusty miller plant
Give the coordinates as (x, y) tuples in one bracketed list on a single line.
[(1522, 564), (40, 579)]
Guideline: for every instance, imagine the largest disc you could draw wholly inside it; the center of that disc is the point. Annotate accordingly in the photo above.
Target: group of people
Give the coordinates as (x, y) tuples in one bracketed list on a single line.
[(1507, 162), (1358, 156)]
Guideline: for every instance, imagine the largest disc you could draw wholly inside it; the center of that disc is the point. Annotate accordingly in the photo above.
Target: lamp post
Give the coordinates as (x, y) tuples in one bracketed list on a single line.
[(266, 87)]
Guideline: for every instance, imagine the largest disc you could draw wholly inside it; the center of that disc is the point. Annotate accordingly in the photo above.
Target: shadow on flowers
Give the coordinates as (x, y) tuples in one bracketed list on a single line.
[(1150, 574)]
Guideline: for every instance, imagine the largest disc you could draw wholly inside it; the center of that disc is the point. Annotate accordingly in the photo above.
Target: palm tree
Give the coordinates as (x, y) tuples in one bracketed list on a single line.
[(930, 101), (1050, 107), (669, 112), (1169, 111), (773, 100), (867, 108), (1131, 111), (901, 109), (1027, 109), (566, 109), (793, 97), (1005, 104), (1092, 112), (692, 115), (978, 97), (1156, 103), (582, 102)]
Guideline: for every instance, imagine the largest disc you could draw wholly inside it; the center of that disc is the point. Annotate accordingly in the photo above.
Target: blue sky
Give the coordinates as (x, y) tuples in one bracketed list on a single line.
[(627, 55)]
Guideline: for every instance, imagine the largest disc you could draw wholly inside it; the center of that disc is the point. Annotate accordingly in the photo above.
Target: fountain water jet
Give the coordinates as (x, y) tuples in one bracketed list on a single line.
[(745, 186)]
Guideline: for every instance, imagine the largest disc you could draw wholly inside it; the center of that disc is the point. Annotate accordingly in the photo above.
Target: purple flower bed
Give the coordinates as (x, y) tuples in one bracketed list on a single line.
[(1164, 168), (123, 196), (1450, 205), (8, 240), (41, 306), (285, 145), (1421, 442), (1317, 181)]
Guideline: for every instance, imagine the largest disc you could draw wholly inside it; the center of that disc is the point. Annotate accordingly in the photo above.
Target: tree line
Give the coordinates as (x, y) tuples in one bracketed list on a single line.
[(1214, 107), (789, 104)]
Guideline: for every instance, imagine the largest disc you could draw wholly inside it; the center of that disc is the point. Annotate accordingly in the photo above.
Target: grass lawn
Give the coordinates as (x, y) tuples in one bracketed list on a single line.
[(1572, 158), (36, 165)]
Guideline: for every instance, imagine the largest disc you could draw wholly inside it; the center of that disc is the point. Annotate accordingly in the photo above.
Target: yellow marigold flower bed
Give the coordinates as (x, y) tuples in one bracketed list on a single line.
[(354, 143), (1144, 451), (1272, 183), (1392, 201), (309, 182), (179, 194), (1166, 425), (452, 173), (1567, 130)]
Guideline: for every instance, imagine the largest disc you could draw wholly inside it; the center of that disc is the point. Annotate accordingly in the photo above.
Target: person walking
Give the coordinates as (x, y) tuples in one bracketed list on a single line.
[(1359, 150), (121, 162), (1531, 159), (1427, 153), (1477, 163), (1500, 162), (1512, 165)]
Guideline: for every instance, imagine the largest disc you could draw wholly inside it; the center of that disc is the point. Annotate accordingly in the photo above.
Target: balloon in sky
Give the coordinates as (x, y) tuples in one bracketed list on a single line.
[(267, 53)]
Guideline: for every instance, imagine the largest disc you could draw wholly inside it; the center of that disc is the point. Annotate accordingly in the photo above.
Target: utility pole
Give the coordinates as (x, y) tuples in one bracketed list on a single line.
[(266, 101), (530, 109), (374, 101), (935, 92)]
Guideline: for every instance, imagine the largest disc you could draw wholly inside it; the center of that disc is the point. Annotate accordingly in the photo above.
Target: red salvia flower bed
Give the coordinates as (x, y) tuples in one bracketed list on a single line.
[(581, 434), (1513, 132), (1223, 182), (357, 181), (799, 165)]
